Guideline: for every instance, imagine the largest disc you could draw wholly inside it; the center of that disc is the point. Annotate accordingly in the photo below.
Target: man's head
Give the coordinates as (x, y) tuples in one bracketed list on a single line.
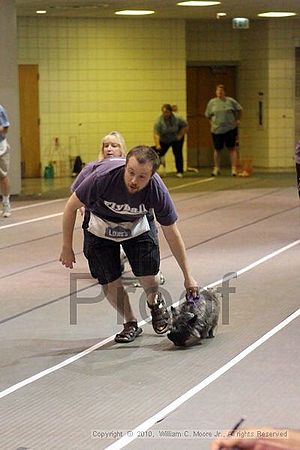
[(167, 110), (220, 91), (141, 163)]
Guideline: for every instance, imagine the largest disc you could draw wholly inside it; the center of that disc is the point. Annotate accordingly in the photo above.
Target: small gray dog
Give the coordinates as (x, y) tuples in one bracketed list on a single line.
[(196, 319)]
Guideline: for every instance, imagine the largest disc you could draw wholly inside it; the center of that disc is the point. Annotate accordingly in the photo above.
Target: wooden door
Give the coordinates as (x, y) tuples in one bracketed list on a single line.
[(29, 121), (201, 87)]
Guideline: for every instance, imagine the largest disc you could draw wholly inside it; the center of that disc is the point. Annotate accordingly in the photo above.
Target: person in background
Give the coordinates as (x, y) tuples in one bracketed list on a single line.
[(4, 162), (112, 146), (169, 131), (224, 114), (297, 162), (122, 200), (260, 439)]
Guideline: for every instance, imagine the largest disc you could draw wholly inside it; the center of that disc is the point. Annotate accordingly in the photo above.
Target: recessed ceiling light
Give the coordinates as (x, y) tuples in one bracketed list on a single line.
[(198, 3), (41, 11), (134, 12), (277, 14), (221, 14)]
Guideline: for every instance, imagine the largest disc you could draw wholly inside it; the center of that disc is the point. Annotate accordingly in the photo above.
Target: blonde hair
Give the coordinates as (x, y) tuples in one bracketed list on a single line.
[(120, 141)]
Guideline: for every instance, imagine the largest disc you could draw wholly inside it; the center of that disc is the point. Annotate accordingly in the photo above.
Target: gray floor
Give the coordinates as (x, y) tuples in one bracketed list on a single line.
[(171, 398)]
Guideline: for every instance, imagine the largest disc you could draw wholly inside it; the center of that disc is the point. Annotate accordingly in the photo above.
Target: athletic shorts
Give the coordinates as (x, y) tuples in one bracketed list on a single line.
[(4, 158), (103, 255), (228, 139)]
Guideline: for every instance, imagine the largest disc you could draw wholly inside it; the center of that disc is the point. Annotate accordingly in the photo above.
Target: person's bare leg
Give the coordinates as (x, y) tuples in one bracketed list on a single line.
[(118, 298), (217, 163), (156, 303), (233, 160), (217, 159), (4, 185), (150, 285)]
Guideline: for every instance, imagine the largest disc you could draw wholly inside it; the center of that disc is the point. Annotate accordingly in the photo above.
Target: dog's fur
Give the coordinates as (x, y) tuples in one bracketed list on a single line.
[(196, 319)]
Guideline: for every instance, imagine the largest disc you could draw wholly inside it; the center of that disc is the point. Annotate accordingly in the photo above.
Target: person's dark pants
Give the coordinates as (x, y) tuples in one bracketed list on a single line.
[(177, 152), (227, 139), (298, 177)]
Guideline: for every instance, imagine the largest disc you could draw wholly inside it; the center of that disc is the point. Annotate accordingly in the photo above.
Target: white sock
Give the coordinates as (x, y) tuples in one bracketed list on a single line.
[(5, 199)]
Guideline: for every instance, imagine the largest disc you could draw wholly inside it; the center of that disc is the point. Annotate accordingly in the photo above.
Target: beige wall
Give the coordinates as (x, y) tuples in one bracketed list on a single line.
[(100, 75), (212, 41), (281, 105), (253, 87)]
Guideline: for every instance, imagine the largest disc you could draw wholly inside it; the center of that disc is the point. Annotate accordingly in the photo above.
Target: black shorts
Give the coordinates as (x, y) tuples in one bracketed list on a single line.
[(103, 255), (228, 139)]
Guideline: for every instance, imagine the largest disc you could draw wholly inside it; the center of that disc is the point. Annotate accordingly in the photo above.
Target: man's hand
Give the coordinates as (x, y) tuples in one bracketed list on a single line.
[(289, 441), (67, 257), (191, 286)]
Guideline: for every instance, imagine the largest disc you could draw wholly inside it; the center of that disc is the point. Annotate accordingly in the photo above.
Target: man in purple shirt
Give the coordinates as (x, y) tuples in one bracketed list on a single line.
[(121, 200)]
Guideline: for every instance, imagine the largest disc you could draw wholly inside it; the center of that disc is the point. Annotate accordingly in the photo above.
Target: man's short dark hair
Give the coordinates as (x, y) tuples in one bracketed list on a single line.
[(144, 154), (167, 107)]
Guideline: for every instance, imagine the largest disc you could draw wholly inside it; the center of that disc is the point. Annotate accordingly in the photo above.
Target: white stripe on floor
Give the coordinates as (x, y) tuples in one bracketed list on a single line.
[(24, 222), (204, 180), (212, 377), (34, 205)]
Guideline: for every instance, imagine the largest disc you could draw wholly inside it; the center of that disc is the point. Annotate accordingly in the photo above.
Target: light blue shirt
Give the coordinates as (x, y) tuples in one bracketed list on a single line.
[(167, 129), (4, 122), (223, 114)]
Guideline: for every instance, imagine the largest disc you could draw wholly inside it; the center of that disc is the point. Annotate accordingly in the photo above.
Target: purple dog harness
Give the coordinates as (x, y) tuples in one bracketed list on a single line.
[(192, 300)]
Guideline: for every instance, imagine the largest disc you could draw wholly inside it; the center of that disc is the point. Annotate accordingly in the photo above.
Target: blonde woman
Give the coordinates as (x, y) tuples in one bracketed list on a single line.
[(112, 146)]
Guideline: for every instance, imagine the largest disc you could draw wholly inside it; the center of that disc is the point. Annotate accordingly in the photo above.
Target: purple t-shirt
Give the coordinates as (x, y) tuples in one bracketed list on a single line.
[(104, 193), (89, 168), (297, 153)]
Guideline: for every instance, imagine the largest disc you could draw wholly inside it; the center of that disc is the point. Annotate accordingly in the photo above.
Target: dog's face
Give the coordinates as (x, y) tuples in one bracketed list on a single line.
[(182, 331)]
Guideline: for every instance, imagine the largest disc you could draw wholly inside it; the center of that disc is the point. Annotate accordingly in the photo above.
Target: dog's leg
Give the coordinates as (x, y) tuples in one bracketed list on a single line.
[(211, 333), (204, 333)]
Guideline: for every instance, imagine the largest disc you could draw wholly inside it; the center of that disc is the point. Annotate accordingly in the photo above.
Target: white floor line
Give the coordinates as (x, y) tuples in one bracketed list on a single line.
[(52, 369), (34, 205), (37, 219), (80, 355), (250, 266), (133, 434), (204, 180)]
